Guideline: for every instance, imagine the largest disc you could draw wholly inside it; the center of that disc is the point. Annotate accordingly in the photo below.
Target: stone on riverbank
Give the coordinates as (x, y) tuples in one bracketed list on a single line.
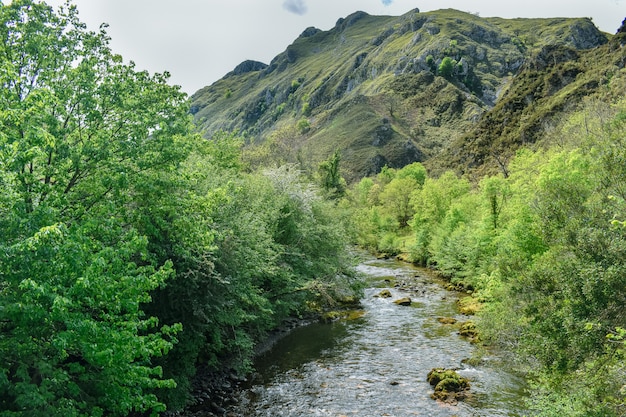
[(469, 330), (331, 316)]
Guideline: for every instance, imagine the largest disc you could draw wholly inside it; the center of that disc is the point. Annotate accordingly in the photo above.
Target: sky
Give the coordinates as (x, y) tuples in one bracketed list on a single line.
[(200, 41)]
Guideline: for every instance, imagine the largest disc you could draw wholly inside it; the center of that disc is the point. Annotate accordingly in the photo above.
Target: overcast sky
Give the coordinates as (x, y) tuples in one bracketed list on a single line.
[(199, 41)]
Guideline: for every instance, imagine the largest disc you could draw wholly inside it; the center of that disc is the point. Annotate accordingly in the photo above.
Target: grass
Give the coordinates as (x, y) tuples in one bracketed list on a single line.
[(370, 70)]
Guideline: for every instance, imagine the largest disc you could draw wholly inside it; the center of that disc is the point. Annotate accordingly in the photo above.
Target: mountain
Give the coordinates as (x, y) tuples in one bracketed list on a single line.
[(444, 88), (553, 81)]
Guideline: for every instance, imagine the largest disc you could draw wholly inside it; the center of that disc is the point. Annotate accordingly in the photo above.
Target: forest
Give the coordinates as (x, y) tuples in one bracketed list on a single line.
[(133, 250)]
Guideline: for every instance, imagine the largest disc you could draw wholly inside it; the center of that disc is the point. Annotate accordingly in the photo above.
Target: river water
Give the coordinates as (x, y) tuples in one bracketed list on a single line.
[(376, 364)]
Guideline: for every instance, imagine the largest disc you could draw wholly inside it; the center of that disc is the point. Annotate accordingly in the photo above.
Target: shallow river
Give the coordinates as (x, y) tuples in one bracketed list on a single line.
[(376, 365)]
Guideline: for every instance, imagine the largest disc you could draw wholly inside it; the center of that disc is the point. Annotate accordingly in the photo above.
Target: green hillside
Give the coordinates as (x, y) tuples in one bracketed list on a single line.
[(552, 83), (389, 90)]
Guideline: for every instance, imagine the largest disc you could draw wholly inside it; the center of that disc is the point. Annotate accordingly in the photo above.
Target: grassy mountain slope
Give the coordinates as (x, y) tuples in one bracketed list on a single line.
[(370, 85), (552, 82)]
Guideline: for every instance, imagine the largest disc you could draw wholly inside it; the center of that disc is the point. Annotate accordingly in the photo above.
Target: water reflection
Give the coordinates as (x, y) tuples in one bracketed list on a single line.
[(301, 345)]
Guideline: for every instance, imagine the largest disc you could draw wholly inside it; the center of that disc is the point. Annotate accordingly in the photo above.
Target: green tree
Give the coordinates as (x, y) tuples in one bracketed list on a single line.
[(446, 67), (385, 175), (396, 199), (495, 190), (430, 204), (330, 176), (430, 61), (303, 125), (89, 148), (415, 171), (225, 150)]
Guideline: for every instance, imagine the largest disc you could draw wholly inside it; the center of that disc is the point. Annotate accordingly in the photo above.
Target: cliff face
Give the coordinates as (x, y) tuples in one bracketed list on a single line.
[(389, 90)]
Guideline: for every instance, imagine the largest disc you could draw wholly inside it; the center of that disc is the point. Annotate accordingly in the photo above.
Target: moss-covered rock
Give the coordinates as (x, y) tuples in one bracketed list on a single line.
[(384, 294), (449, 386), (331, 316), (469, 330), (404, 301)]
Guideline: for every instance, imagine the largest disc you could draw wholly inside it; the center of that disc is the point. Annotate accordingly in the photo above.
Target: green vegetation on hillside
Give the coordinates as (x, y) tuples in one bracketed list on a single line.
[(543, 249), (551, 83), (385, 90)]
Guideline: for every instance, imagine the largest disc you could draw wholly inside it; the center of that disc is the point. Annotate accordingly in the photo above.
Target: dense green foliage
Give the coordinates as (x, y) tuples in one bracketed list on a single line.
[(133, 251), (544, 248)]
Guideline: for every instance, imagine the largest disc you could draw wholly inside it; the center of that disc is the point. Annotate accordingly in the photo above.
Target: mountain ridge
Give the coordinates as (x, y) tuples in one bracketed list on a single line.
[(373, 87)]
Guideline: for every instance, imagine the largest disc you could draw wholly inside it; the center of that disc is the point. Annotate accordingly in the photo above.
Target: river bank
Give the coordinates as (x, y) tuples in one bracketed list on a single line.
[(378, 362)]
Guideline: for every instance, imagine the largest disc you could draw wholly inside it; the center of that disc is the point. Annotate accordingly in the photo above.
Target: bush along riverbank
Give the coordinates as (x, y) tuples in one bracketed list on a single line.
[(541, 248), (215, 391)]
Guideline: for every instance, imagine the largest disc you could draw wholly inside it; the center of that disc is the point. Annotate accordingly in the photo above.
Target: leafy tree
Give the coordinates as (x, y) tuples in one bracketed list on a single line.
[(224, 149), (88, 148), (430, 61), (362, 191), (74, 339), (458, 242), (416, 171), (446, 67), (430, 205), (396, 198), (303, 125), (495, 190), (385, 175), (330, 176)]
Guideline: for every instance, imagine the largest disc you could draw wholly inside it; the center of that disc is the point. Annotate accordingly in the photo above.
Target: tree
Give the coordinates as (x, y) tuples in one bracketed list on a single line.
[(430, 61), (303, 125), (430, 205), (89, 152), (415, 171), (396, 199), (446, 67), (330, 176), (496, 192)]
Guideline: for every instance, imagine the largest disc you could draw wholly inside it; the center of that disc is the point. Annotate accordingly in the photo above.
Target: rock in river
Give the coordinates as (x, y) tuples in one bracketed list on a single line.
[(384, 294), (449, 385), (404, 301)]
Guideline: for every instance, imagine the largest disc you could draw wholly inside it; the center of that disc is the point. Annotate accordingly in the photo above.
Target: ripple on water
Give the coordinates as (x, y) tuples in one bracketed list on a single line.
[(377, 365)]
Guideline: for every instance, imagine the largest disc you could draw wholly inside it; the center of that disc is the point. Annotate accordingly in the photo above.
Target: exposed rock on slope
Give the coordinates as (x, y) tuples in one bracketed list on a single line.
[(390, 90)]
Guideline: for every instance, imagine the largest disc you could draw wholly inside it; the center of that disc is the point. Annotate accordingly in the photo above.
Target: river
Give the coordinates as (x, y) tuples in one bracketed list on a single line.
[(376, 364)]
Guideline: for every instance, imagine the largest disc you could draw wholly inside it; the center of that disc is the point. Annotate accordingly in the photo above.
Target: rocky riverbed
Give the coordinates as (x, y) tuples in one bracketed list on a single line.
[(376, 363)]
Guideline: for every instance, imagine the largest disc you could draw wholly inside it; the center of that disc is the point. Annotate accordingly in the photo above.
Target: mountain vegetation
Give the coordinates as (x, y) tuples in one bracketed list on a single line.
[(395, 90), (146, 235), (539, 241)]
